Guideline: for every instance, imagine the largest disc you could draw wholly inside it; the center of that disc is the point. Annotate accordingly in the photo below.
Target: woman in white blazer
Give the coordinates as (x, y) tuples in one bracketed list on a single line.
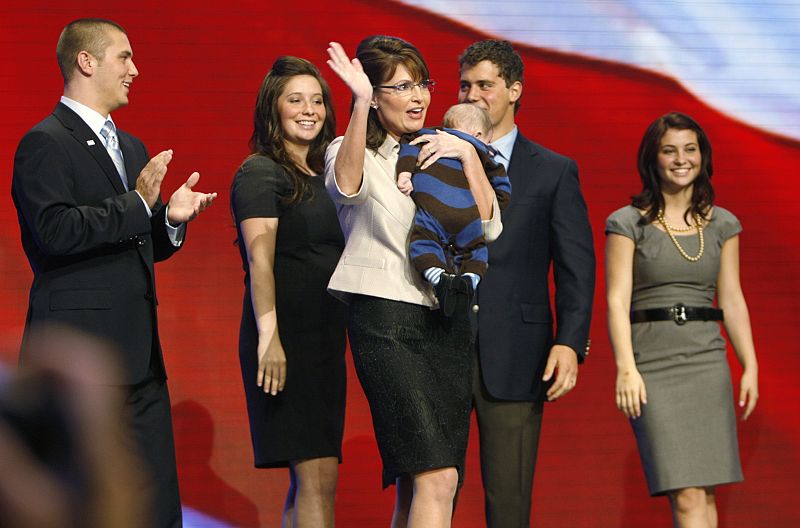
[(413, 363)]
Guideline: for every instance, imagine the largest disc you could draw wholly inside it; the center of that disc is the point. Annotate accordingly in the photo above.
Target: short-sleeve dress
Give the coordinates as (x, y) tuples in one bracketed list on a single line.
[(306, 419), (687, 431)]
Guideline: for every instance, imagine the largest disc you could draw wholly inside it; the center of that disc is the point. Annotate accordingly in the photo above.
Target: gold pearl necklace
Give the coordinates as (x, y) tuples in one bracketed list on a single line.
[(670, 231), (674, 229)]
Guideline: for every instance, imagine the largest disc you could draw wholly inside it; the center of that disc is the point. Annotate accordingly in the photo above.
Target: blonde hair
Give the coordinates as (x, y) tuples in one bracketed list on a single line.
[(468, 117)]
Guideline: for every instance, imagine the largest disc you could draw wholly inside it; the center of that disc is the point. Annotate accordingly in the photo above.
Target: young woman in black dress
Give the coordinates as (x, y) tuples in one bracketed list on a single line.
[(292, 334)]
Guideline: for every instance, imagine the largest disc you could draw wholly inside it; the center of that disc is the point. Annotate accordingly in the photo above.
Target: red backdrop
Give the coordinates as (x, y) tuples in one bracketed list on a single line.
[(200, 68)]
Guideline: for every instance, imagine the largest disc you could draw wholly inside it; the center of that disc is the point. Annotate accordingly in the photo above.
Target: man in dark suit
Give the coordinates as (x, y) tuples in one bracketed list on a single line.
[(519, 360), (92, 225)]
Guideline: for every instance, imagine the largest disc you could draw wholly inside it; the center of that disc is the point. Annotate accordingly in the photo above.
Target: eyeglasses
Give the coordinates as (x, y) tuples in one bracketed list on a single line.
[(405, 88)]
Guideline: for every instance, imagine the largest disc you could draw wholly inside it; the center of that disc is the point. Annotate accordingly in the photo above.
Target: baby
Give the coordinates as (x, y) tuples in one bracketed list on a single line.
[(447, 244)]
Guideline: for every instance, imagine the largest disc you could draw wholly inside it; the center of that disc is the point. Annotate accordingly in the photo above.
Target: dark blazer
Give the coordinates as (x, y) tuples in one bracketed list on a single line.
[(545, 222), (90, 243)]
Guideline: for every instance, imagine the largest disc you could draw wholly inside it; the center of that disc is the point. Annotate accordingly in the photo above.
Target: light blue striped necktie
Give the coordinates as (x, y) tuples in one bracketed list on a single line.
[(109, 133)]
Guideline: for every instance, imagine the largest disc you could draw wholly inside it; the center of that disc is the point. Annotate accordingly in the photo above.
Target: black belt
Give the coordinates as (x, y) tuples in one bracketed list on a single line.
[(678, 313)]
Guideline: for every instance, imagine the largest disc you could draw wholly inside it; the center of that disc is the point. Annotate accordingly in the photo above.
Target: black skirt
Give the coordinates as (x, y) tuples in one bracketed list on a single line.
[(415, 367)]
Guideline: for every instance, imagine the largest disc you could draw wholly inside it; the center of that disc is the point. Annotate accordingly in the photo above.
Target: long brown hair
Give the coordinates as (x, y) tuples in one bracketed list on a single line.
[(379, 56), (268, 134), (650, 197)]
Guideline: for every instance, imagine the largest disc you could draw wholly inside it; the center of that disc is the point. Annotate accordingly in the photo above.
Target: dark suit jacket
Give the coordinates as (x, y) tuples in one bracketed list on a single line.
[(90, 243), (545, 222)]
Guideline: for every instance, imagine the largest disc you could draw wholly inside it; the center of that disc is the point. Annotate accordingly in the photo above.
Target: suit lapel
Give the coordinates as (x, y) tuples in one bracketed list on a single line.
[(522, 168), (89, 141), (128, 155)]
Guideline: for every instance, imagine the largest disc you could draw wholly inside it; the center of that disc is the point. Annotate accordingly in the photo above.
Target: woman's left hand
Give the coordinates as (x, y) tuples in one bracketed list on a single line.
[(441, 145), (748, 392)]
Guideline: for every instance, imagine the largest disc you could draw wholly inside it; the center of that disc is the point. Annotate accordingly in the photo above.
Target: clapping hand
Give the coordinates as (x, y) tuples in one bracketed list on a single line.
[(185, 204)]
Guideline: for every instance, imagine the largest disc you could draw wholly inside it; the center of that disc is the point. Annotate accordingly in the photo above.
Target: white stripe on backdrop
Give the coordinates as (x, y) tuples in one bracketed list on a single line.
[(741, 57)]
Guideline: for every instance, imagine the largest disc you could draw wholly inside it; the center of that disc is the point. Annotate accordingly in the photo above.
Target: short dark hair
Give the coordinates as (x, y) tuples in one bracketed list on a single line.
[(84, 34), (650, 198), (380, 55), (268, 134), (500, 53)]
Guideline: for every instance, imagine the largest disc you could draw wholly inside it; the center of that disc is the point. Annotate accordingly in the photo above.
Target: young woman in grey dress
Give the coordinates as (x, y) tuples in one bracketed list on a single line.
[(292, 333), (667, 256)]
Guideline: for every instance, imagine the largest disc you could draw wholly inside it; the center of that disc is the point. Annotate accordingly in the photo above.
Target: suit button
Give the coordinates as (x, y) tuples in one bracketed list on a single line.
[(475, 308)]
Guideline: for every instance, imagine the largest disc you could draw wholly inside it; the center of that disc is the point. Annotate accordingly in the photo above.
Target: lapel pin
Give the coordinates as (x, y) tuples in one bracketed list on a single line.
[(90, 142)]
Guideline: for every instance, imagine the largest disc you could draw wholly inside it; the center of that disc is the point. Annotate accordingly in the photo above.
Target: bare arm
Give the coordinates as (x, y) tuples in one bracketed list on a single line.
[(349, 166), (259, 239), (737, 323), (630, 390), (404, 183)]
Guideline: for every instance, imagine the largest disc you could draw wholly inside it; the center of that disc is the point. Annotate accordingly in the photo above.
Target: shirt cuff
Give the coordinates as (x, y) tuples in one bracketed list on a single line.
[(345, 195), (146, 207), (175, 234), (494, 226)]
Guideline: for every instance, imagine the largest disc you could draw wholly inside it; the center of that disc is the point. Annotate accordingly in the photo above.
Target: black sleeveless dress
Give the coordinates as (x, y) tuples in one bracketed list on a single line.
[(306, 419)]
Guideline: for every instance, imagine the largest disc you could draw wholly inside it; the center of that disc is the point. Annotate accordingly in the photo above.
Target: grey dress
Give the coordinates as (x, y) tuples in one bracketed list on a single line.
[(687, 432)]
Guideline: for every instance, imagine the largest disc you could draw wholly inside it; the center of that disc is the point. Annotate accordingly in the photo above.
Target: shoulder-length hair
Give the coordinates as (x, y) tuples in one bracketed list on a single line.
[(268, 134), (650, 197), (380, 55)]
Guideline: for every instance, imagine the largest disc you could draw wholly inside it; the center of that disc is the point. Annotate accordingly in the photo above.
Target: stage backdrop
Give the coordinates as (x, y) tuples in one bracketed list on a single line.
[(596, 74)]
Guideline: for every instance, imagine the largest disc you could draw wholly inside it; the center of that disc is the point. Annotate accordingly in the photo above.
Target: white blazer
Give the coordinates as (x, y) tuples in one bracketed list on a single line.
[(376, 222)]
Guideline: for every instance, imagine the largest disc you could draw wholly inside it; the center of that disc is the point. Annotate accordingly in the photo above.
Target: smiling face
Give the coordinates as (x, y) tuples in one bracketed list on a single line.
[(114, 73), (679, 159), (302, 111), (482, 86), (401, 113)]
